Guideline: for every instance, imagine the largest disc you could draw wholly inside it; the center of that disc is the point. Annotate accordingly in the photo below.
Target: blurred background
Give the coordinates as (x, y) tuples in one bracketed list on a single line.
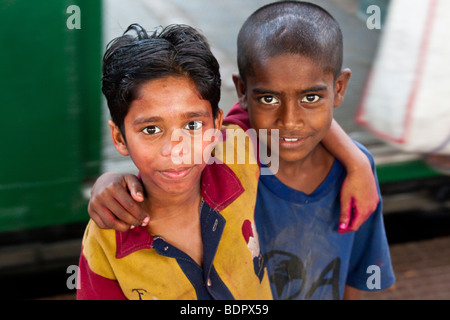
[(55, 139)]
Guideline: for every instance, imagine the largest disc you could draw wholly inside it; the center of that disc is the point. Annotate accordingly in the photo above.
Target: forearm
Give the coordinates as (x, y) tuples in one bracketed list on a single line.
[(339, 144)]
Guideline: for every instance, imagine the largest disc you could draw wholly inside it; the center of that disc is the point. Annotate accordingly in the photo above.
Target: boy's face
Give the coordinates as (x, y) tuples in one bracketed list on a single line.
[(293, 94), (165, 106)]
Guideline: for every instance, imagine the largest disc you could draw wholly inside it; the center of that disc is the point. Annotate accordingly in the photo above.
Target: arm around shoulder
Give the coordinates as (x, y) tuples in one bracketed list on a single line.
[(359, 192)]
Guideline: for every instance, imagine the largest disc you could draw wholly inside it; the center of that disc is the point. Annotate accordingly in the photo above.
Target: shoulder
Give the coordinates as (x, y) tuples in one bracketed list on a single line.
[(98, 248), (234, 171), (238, 149), (94, 233), (237, 115)]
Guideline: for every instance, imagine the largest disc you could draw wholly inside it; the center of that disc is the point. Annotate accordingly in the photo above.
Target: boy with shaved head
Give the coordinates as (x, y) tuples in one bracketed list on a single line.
[(291, 79)]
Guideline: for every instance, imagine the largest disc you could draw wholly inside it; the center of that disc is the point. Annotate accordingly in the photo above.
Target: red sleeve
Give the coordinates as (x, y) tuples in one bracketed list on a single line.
[(238, 116), (95, 287)]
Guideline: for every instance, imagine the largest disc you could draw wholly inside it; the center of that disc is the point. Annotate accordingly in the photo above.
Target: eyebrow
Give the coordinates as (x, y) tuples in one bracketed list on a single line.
[(312, 89), (187, 115), (141, 120), (263, 91), (196, 114), (315, 89)]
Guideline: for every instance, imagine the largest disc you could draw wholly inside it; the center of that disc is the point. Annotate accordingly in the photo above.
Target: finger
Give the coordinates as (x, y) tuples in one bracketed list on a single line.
[(135, 187), (346, 215), (362, 213), (119, 211), (355, 221), (98, 221), (107, 220), (344, 218), (94, 216), (125, 206), (358, 217)]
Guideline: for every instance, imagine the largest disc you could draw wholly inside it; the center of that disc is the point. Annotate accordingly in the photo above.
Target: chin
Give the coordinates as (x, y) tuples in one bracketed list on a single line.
[(292, 157), (179, 186)]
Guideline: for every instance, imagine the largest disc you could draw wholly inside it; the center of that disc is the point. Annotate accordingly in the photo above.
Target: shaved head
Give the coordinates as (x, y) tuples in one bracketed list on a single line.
[(290, 27)]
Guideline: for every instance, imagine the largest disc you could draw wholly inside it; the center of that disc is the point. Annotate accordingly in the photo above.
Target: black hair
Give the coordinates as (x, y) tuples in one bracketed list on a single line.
[(290, 27), (131, 61)]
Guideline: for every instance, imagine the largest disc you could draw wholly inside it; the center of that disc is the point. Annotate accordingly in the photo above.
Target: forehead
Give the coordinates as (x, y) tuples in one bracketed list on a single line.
[(168, 96), (282, 72), (166, 89)]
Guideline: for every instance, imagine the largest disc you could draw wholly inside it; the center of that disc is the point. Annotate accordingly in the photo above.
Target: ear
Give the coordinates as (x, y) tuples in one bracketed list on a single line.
[(240, 90), (218, 120), (340, 86), (117, 138), (217, 129)]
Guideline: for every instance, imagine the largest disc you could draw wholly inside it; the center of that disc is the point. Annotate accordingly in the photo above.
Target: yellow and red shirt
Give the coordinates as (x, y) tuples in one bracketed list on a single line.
[(137, 265)]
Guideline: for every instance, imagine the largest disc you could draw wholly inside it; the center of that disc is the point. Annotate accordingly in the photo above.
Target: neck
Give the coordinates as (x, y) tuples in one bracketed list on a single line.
[(306, 174), (176, 218), (163, 205)]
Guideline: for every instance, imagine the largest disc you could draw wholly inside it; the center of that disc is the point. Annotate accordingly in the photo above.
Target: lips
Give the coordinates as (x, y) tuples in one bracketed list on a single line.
[(287, 139), (176, 173), (291, 141)]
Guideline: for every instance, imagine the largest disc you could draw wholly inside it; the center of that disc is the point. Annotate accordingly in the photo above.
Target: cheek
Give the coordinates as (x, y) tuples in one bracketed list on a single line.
[(320, 119), (202, 146), (262, 123), (144, 156), (144, 161)]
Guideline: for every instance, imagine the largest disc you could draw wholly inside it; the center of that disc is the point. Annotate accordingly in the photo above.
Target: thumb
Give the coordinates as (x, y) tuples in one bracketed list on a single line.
[(344, 219), (135, 187)]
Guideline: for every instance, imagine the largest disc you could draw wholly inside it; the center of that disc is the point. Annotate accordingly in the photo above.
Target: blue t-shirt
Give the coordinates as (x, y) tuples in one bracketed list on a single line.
[(305, 255)]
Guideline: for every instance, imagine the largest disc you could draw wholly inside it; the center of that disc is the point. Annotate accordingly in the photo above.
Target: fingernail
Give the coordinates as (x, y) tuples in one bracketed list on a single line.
[(343, 225), (132, 227), (145, 221)]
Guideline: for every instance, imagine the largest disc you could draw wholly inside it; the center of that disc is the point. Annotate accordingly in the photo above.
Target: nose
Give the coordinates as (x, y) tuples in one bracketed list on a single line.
[(290, 116), (167, 147), (174, 144)]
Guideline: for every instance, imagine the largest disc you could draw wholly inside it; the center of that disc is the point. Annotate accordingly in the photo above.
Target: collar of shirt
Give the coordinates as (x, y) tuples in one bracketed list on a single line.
[(220, 187)]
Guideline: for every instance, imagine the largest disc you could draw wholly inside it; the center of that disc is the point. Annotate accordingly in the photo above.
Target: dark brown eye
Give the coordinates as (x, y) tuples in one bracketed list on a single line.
[(151, 130), (268, 100), (194, 125), (311, 98)]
